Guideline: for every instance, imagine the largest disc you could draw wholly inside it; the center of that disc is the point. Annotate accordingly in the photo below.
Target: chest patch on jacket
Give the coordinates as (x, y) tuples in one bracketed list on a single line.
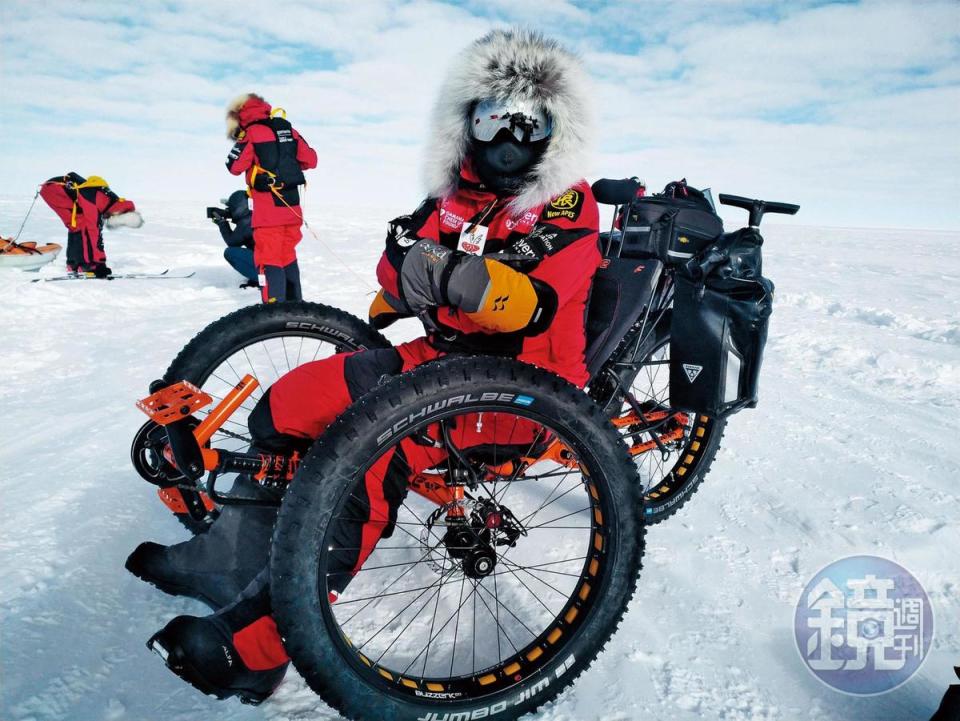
[(473, 238), (567, 205)]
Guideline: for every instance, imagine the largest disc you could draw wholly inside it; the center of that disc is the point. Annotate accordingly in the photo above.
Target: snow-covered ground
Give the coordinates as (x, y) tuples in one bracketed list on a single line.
[(852, 450)]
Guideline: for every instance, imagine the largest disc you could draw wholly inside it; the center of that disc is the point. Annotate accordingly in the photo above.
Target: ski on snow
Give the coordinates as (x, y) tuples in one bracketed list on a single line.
[(164, 275)]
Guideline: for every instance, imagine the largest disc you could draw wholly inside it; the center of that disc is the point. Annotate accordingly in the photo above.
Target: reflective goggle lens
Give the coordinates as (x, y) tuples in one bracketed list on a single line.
[(524, 121)]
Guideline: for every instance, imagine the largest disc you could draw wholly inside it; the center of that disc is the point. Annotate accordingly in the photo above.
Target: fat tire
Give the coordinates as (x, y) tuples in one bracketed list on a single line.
[(657, 510), (223, 337), (218, 340), (351, 442)]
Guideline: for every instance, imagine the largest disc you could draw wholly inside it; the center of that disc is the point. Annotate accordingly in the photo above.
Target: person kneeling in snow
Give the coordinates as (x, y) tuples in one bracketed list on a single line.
[(499, 259), (239, 238), (84, 204), (273, 155)]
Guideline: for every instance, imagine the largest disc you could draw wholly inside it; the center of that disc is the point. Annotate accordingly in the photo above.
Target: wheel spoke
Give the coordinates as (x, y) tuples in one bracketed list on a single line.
[(407, 612)]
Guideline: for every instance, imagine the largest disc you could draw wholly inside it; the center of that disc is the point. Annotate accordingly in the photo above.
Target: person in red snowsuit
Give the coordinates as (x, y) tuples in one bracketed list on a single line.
[(499, 259), (273, 155), (83, 204)]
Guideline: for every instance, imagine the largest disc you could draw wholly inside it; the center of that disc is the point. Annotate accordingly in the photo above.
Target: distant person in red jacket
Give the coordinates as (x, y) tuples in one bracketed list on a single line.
[(273, 155), (83, 204)]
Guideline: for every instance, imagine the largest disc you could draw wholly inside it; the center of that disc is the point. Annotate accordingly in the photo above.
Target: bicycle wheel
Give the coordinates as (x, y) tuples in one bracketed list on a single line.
[(266, 341), (507, 570), (673, 450)]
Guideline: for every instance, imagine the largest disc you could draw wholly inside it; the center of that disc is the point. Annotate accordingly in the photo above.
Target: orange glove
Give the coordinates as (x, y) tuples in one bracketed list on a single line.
[(386, 310)]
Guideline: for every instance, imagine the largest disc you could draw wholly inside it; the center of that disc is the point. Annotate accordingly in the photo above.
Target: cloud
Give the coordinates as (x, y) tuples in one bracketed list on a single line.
[(846, 108)]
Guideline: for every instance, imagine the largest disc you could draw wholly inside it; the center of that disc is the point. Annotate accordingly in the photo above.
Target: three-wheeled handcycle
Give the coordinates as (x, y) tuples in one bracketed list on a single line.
[(518, 543)]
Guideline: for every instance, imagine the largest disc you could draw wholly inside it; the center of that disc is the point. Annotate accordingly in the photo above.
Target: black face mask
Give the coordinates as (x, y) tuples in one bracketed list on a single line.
[(504, 163)]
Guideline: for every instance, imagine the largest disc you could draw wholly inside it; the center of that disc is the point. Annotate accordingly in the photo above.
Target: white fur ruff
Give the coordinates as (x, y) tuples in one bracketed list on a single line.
[(133, 219), (514, 65), (233, 114)]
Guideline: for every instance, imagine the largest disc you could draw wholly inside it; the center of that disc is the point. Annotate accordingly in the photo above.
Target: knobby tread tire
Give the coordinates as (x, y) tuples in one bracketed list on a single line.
[(661, 513), (201, 355), (244, 326), (659, 510), (350, 443)]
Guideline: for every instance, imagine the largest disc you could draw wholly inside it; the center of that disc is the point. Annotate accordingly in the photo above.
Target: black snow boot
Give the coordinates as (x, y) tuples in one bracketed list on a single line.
[(234, 652), (213, 567)]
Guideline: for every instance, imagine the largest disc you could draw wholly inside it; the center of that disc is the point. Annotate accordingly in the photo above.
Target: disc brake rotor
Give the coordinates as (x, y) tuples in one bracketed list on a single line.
[(434, 531)]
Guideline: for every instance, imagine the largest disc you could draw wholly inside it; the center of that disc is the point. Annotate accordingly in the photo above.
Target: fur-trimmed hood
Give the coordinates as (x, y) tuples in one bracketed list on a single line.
[(512, 65), (245, 109)]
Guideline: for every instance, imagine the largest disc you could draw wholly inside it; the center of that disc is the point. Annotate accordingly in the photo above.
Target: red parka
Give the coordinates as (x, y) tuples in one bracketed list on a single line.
[(555, 245), (269, 151), (82, 203)]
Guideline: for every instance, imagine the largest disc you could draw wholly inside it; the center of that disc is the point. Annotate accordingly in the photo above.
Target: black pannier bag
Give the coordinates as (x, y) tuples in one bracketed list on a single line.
[(673, 226), (719, 328)]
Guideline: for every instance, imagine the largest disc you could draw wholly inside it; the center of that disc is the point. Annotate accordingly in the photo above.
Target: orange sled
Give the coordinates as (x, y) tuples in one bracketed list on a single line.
[(26, 256)]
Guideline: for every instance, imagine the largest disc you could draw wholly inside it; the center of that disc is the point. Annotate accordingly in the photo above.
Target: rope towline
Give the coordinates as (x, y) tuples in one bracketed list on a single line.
[(273, 189), (30, 210)]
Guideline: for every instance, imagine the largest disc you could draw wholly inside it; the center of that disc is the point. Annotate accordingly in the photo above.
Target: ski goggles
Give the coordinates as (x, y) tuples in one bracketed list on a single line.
[(521, 118)]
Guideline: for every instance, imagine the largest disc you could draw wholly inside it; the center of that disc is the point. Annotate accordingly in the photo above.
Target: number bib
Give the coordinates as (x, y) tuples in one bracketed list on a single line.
[(473, 237)]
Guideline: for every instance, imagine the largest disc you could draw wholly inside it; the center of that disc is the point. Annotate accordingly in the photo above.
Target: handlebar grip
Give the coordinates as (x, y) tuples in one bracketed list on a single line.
[(757, 207), (736, 200), (785, 208)]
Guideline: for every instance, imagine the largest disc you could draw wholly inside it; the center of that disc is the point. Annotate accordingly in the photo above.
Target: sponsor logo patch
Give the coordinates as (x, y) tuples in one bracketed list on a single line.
[(450, 219), (692, 371), (526, 221), (566, 205)]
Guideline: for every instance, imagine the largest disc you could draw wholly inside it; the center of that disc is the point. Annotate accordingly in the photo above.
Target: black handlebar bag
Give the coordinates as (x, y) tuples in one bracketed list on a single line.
[(673, 230), (717, 335)]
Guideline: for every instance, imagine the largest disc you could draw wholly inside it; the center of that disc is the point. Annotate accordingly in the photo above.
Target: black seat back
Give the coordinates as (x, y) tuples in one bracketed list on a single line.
[(621, 290)]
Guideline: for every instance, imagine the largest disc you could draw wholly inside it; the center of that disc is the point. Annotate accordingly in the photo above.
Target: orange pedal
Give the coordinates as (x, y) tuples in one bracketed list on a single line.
[(174, 403), (173, 499)]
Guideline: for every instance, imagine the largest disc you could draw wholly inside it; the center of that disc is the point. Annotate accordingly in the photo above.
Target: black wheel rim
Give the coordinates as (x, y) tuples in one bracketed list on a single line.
[(267, 358), (662, 476), (416, 621)]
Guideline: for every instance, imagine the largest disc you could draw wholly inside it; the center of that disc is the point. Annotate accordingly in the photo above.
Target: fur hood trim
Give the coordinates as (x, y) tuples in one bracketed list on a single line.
[(243, 110), (514, 65)]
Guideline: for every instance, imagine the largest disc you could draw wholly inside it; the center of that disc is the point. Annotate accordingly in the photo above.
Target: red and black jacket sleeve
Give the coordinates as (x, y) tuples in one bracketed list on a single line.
[(306, 156), (402, 234), (241, 156)]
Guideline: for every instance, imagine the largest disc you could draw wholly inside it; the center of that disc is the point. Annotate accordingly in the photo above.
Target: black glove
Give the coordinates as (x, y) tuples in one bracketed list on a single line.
[(403, 232), (215, 214), (401, 236), (264, 182)]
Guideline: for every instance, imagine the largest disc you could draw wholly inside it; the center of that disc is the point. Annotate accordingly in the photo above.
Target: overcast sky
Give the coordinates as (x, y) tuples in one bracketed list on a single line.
[(848, 108)]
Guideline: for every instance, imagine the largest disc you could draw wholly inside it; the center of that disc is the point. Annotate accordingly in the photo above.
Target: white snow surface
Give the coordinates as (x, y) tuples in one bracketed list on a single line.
[(852, 450)]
